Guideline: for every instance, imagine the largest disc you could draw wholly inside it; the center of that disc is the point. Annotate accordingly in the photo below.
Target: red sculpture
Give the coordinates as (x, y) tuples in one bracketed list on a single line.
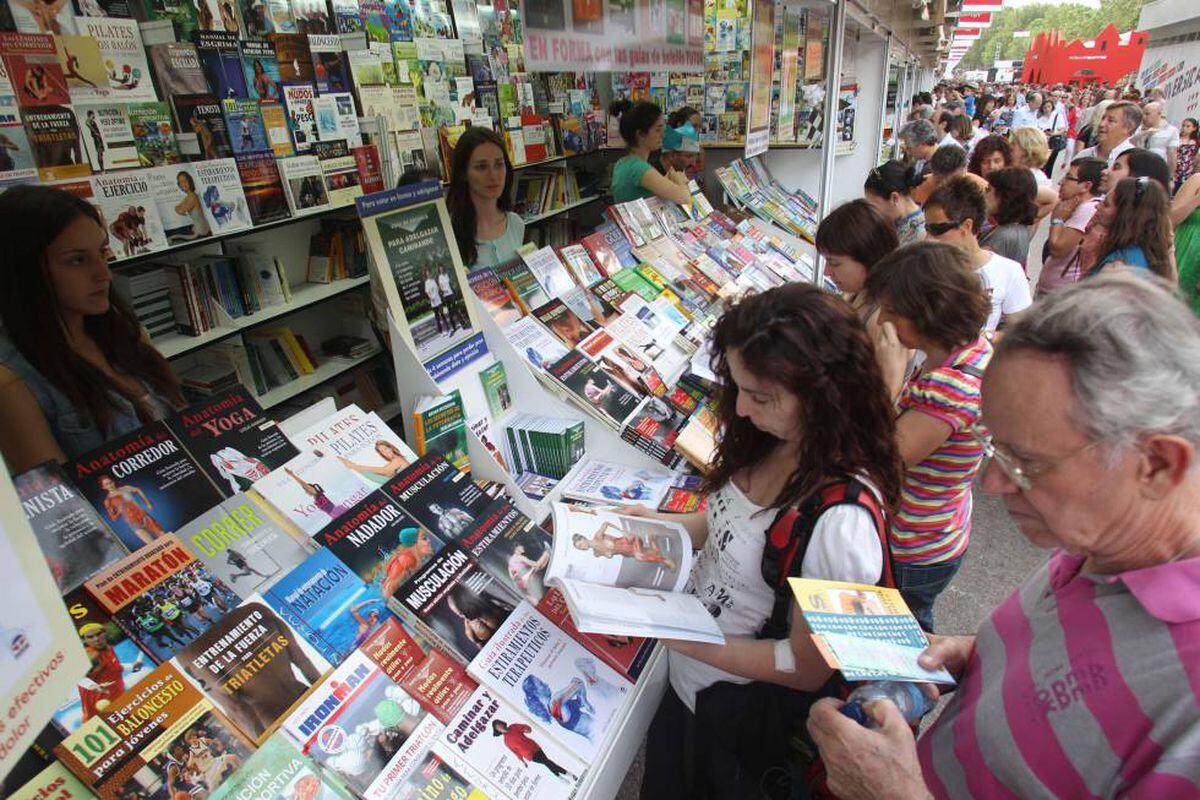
[(1051, 59)]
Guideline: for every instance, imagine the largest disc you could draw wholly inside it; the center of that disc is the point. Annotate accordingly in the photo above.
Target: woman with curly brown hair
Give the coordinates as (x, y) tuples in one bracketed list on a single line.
[(803, 407), (990, 154), (1137, 214)]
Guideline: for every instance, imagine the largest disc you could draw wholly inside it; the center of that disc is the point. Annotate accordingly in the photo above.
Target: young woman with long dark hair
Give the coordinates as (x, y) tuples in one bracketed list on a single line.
[(479, 200), (1137, 214), (76, 368), (642, 125), (802, 405)]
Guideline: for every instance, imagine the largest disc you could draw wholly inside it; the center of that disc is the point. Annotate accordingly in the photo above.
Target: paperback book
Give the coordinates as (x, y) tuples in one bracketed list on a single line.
[(275, 122), (34, 72), (74, 540), (144, 484), (265, 17), (153, 135), (312, 490), (298, 98), (253, 667), (331, 73), (263, 187), (127, 206), (340, 171), (221, 61), (220, 190), (177, 69), (83, 68), (327, 604), (260, 66), (295, 61), (604, 483), (55, 141), (203, 132), (337, 118), (438, 682), (123, 56), (361, 442), (596, 387), (278, 771), (244, 122), (162, 597), (511, 547), (495, 389), (628, 655), (439, 496), (440, 426), (304, 184), (107, 136), (490, 290)]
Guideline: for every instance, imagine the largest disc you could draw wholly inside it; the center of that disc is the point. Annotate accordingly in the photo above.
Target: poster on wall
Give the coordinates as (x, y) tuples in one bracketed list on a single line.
[(762, 63), (612, 36)]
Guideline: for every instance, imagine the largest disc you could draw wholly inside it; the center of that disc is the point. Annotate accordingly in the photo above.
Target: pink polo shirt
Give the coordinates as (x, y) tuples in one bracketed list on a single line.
[(1079, 686)]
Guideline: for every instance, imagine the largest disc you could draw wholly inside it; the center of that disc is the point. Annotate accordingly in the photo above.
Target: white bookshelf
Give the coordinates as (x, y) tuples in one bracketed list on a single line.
[(562, 210), (330, 368)]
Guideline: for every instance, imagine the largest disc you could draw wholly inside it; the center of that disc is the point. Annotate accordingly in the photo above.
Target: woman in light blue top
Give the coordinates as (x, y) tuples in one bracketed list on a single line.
[(76, 368), (1138, 215), (480, 200), (633, 178)]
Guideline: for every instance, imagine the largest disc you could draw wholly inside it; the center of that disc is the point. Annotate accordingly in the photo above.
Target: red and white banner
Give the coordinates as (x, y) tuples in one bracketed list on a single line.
[(591, 36), (978, 6), (974, 21), (967, 33)]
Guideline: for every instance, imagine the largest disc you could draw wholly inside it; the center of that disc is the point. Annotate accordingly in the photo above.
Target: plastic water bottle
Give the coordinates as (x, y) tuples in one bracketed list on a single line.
[(908, 697)]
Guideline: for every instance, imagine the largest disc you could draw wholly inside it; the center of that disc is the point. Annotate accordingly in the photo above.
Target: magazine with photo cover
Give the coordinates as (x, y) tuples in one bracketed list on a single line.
[(263, 187), (426, 283), (382, 544), (34, 72), (74, 541), (253, 666), (153, 135), (596, 387), (302, 120), (278, 771), (439, 496), (628, 655), (55, 781), (362, 729), (340, 171), (535, 343), (304, 184), (177, 69), (492, 743), (56, 143), (123, 56), (163, 738), (331, 73), (456, 602), (242, 546), (604, 483), (130, 213), (626, 363), (260, 66), (232, 439), (220, 190), (540, 670), (162, 596), (83, 68), (327, 604), (438, 682), (361, 442), (144, 484), (243, 120), (597, 546), (512, 547), (180, 210), (312, 489)]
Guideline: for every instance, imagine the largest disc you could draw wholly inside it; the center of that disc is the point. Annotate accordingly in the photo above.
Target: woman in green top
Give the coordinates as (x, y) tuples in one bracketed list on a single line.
[(1185, 214), (642, 126), (479, 200)]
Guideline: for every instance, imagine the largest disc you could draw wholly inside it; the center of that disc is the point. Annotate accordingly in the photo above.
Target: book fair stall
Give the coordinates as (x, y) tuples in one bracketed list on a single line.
[(376, 555)]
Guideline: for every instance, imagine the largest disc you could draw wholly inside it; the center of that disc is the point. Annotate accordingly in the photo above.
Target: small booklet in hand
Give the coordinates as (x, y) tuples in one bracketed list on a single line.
[(866, 632), (625, 575)]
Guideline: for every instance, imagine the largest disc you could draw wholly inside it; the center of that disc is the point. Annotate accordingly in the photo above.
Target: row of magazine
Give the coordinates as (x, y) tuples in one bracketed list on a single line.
[(327, 607)]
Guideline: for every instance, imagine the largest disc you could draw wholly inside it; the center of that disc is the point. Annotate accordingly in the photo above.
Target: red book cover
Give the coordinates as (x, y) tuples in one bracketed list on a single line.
[(535, 137), (626, 654), (33, 69), (370, 170), (437, 681), (605, 257)]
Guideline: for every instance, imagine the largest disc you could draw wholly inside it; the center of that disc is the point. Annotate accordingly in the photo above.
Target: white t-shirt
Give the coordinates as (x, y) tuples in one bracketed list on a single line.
[(949, 139), (1092, 152), (431, 291), (727, 573), (1007, 287), (1159, 140), (1039, 177)]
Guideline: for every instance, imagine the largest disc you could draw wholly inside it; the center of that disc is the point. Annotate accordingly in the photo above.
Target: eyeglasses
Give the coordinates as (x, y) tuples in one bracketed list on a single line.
[(1019, 470), (939, 228)]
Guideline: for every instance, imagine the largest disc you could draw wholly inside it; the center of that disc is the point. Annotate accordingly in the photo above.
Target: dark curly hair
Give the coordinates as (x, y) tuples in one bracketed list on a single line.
[(810, 343), (984, 148), (1016, 192)]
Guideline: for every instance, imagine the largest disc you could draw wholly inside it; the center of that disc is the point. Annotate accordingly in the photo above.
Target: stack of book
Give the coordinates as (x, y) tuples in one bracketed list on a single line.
[(207, 380), (547, 446), (278, 356), (144, 288), (338, 250)]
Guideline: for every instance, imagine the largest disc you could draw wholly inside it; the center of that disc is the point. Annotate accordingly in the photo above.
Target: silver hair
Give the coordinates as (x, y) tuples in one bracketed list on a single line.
[(920, 132), (1131, 113), (1133, 350)]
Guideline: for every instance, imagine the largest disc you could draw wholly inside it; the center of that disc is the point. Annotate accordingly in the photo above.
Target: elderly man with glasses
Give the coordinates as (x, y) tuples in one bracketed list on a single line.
[(1084, 682)]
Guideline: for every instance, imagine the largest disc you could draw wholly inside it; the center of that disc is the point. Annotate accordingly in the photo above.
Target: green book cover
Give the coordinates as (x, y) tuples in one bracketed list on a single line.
[(631, 280), (277, 770), (495, 389), (442, 428), (153, 135)]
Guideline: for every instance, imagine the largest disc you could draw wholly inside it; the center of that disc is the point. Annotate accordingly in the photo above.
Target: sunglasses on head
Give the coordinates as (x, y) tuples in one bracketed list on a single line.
[(938, 228), (1139, 189)]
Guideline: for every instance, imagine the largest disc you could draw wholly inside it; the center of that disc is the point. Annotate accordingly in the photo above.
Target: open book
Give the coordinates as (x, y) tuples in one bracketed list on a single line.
[(625, 575)]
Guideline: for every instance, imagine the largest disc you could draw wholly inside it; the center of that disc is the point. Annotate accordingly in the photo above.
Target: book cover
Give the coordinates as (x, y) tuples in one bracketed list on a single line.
[(328, 605), (628, 655), (302, 120), (567, 693), (370, 168), (596, 386), (253, 667), (219, 16), (605, 483), (107, 136), (491, 742), (382, 544), (312, 490), (275, 122), (347, 16), (56, 19), (182, 14), (220, 190), (31, 61), (232, 439), (495, 389), (177, 69), (16, 153), (55, 781), (242, 546), (362, 729), (339, 170), (83, 69), (265, 17), (312, 16), (457, 600), (202, 130), (336, 118), (153, 135), (244, 122), (438, 682), (511, 547), (263, 187), (144, 484), (130, 213), (115, 662), (278, 771), (222, 63), (521, 283), (304, 184), (260, 66), (331, 72), (562, 322), (360, 441), (439, 496), (57, 145), (155, 740), (162, 597), (487, 286), (602, 254), (440, 426), (295, 61), (535, 344), (73, 539), (123, 57)]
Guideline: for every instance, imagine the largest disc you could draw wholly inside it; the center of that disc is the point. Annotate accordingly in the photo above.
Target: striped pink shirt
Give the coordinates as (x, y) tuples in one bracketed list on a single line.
[(1080, 686)]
